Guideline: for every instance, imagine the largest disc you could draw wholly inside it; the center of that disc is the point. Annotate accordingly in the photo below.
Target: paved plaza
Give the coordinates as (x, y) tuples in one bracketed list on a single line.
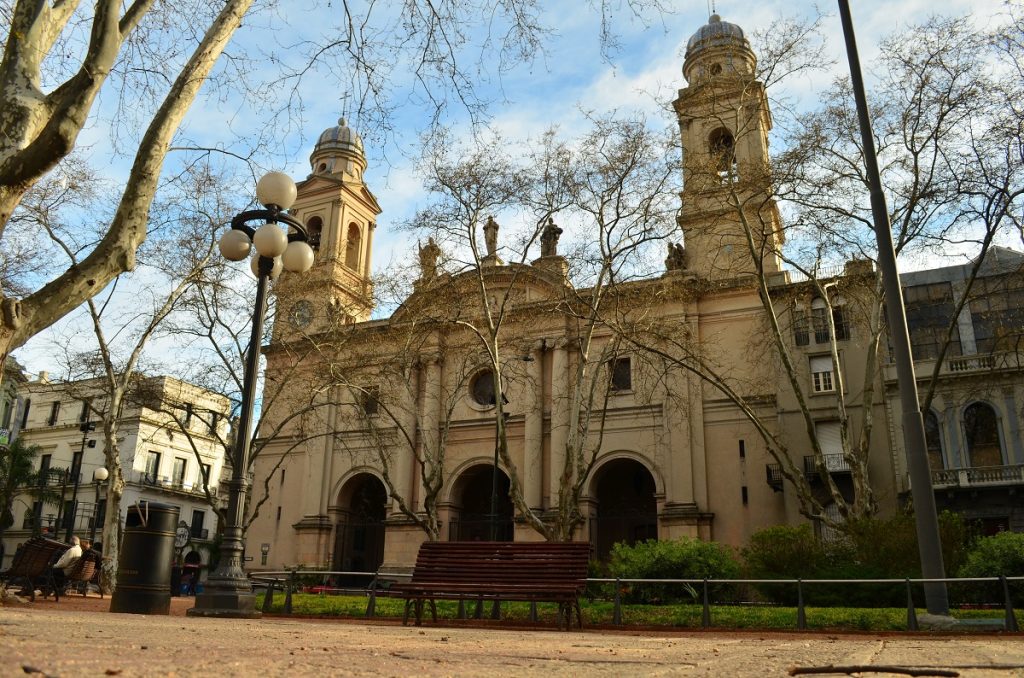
[(72, 638)]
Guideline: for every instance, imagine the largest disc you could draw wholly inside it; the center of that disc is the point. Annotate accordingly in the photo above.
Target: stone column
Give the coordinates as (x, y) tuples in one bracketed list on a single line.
[(330, 422), (430, 419), (402, 466), (533, 433), (698, 452), (560, 393)]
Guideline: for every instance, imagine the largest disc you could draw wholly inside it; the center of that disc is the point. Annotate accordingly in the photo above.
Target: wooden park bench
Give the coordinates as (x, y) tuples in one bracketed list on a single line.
[(32, 562), (553, 572), (81, 573)]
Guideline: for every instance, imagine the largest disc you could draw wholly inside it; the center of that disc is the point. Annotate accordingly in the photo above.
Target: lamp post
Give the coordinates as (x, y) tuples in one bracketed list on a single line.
[(98, 476), (85, 427), (228, 592), (926, 521)]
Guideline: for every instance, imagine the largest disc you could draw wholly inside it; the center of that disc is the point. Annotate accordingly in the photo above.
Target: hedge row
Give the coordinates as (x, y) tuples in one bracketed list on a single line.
[(870, 549)]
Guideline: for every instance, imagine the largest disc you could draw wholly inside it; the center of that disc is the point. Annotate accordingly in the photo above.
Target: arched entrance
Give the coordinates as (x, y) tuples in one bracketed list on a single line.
[(471, 499), (359, 534), (627, 511)]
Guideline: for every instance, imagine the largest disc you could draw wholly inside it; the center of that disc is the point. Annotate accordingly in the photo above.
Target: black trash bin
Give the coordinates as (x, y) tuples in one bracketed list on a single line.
[(147, 554)]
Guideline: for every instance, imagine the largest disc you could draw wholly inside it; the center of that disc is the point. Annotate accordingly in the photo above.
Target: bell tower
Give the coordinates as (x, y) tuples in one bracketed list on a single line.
[(339, 213), (724, 122)]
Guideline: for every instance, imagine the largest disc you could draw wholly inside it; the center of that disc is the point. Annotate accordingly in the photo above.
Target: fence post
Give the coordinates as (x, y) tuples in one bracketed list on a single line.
[(705, 618), (268, 597), (371, 605), (462, 608), (617, 612), (801, 613), (496, 609), (533, 610), (1011, 620), (911, 612), (289, 586)]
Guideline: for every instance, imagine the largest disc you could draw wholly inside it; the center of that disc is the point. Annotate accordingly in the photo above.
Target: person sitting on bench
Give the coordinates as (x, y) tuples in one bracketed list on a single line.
[(65, 563)]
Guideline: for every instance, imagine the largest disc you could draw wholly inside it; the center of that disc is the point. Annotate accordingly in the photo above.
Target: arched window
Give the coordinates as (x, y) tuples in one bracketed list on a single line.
[(933, 441), (352, 247), (981, 432), (314, 229), (723, 152)]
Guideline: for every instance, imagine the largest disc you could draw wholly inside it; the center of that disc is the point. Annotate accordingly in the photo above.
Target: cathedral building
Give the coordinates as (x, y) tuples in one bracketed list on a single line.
[(410, 419)]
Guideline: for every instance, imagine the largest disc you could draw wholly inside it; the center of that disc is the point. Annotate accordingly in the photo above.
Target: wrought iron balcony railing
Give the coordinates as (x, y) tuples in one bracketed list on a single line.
[(773, 472), (835, 463)]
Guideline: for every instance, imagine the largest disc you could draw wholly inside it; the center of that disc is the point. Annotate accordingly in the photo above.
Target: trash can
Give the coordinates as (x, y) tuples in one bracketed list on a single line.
[(147, 553)]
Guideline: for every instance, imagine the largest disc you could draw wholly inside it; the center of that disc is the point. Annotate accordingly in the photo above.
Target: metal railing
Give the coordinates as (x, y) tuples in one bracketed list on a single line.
[(773, 472), (979, 476), (834, 463), (379, 582), (166, 483)]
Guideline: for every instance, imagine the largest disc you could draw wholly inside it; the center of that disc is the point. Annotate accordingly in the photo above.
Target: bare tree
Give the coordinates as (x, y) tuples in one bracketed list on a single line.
[(176, 260), (951, 166), (151, 59)]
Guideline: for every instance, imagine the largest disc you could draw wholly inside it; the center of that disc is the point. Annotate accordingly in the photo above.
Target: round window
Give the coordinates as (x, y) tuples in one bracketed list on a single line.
[(482, 388), (716, 69)]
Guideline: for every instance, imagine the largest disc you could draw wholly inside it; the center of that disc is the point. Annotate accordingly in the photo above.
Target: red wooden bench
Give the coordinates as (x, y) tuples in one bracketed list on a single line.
[(553, 572)]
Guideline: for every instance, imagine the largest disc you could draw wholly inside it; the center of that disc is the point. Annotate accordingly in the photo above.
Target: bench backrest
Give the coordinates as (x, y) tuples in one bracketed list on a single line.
[(32, 559), (528, 563), (83, 570)]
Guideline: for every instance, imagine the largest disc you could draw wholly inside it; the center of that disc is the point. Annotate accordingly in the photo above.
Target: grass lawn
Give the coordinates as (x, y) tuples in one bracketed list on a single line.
[(599, 612)]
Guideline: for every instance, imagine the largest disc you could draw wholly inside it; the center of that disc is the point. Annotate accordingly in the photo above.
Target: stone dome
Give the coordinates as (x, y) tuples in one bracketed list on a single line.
[(716, 33), (340, 138), (339, 149)]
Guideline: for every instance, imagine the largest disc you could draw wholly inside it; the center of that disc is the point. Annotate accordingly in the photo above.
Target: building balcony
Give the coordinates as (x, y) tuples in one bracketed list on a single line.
[(173, 485), (835, 463), (978, 476), (966, 365), (773, 472)]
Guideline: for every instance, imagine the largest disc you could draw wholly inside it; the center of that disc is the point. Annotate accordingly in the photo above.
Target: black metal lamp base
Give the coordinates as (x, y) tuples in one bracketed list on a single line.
[(226, 604)]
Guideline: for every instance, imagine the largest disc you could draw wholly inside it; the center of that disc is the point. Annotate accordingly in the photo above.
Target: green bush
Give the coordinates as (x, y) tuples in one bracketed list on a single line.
[(874, 548), (999, 555), (679, 559), (784, 552)]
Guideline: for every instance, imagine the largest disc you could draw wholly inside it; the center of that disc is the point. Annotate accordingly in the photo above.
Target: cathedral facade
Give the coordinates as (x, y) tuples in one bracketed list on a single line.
[(384, 433)]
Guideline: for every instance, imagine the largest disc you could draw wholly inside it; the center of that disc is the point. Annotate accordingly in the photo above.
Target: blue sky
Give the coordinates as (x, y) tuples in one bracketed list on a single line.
[(571, 73)]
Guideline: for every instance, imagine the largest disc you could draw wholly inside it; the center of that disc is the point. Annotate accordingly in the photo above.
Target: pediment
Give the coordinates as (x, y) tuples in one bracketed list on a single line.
[(458, 295)]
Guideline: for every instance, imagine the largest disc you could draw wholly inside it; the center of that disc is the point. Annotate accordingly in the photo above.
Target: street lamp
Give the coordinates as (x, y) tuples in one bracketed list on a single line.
[(228, 592), (85, 427), (98, 476), (925, 518)]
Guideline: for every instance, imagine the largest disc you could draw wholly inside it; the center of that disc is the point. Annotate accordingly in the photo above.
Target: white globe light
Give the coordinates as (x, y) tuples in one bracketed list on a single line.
[(254, 266), (270, 240), (100, 474), (276, 188), (235, 245), (297, 257)]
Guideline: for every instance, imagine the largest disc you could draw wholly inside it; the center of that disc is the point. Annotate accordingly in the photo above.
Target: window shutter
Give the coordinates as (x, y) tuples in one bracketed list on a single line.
[(828, 437), (821, 363)]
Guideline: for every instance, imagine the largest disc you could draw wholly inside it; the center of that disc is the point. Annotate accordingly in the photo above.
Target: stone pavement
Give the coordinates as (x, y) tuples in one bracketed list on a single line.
[(67, 639)]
